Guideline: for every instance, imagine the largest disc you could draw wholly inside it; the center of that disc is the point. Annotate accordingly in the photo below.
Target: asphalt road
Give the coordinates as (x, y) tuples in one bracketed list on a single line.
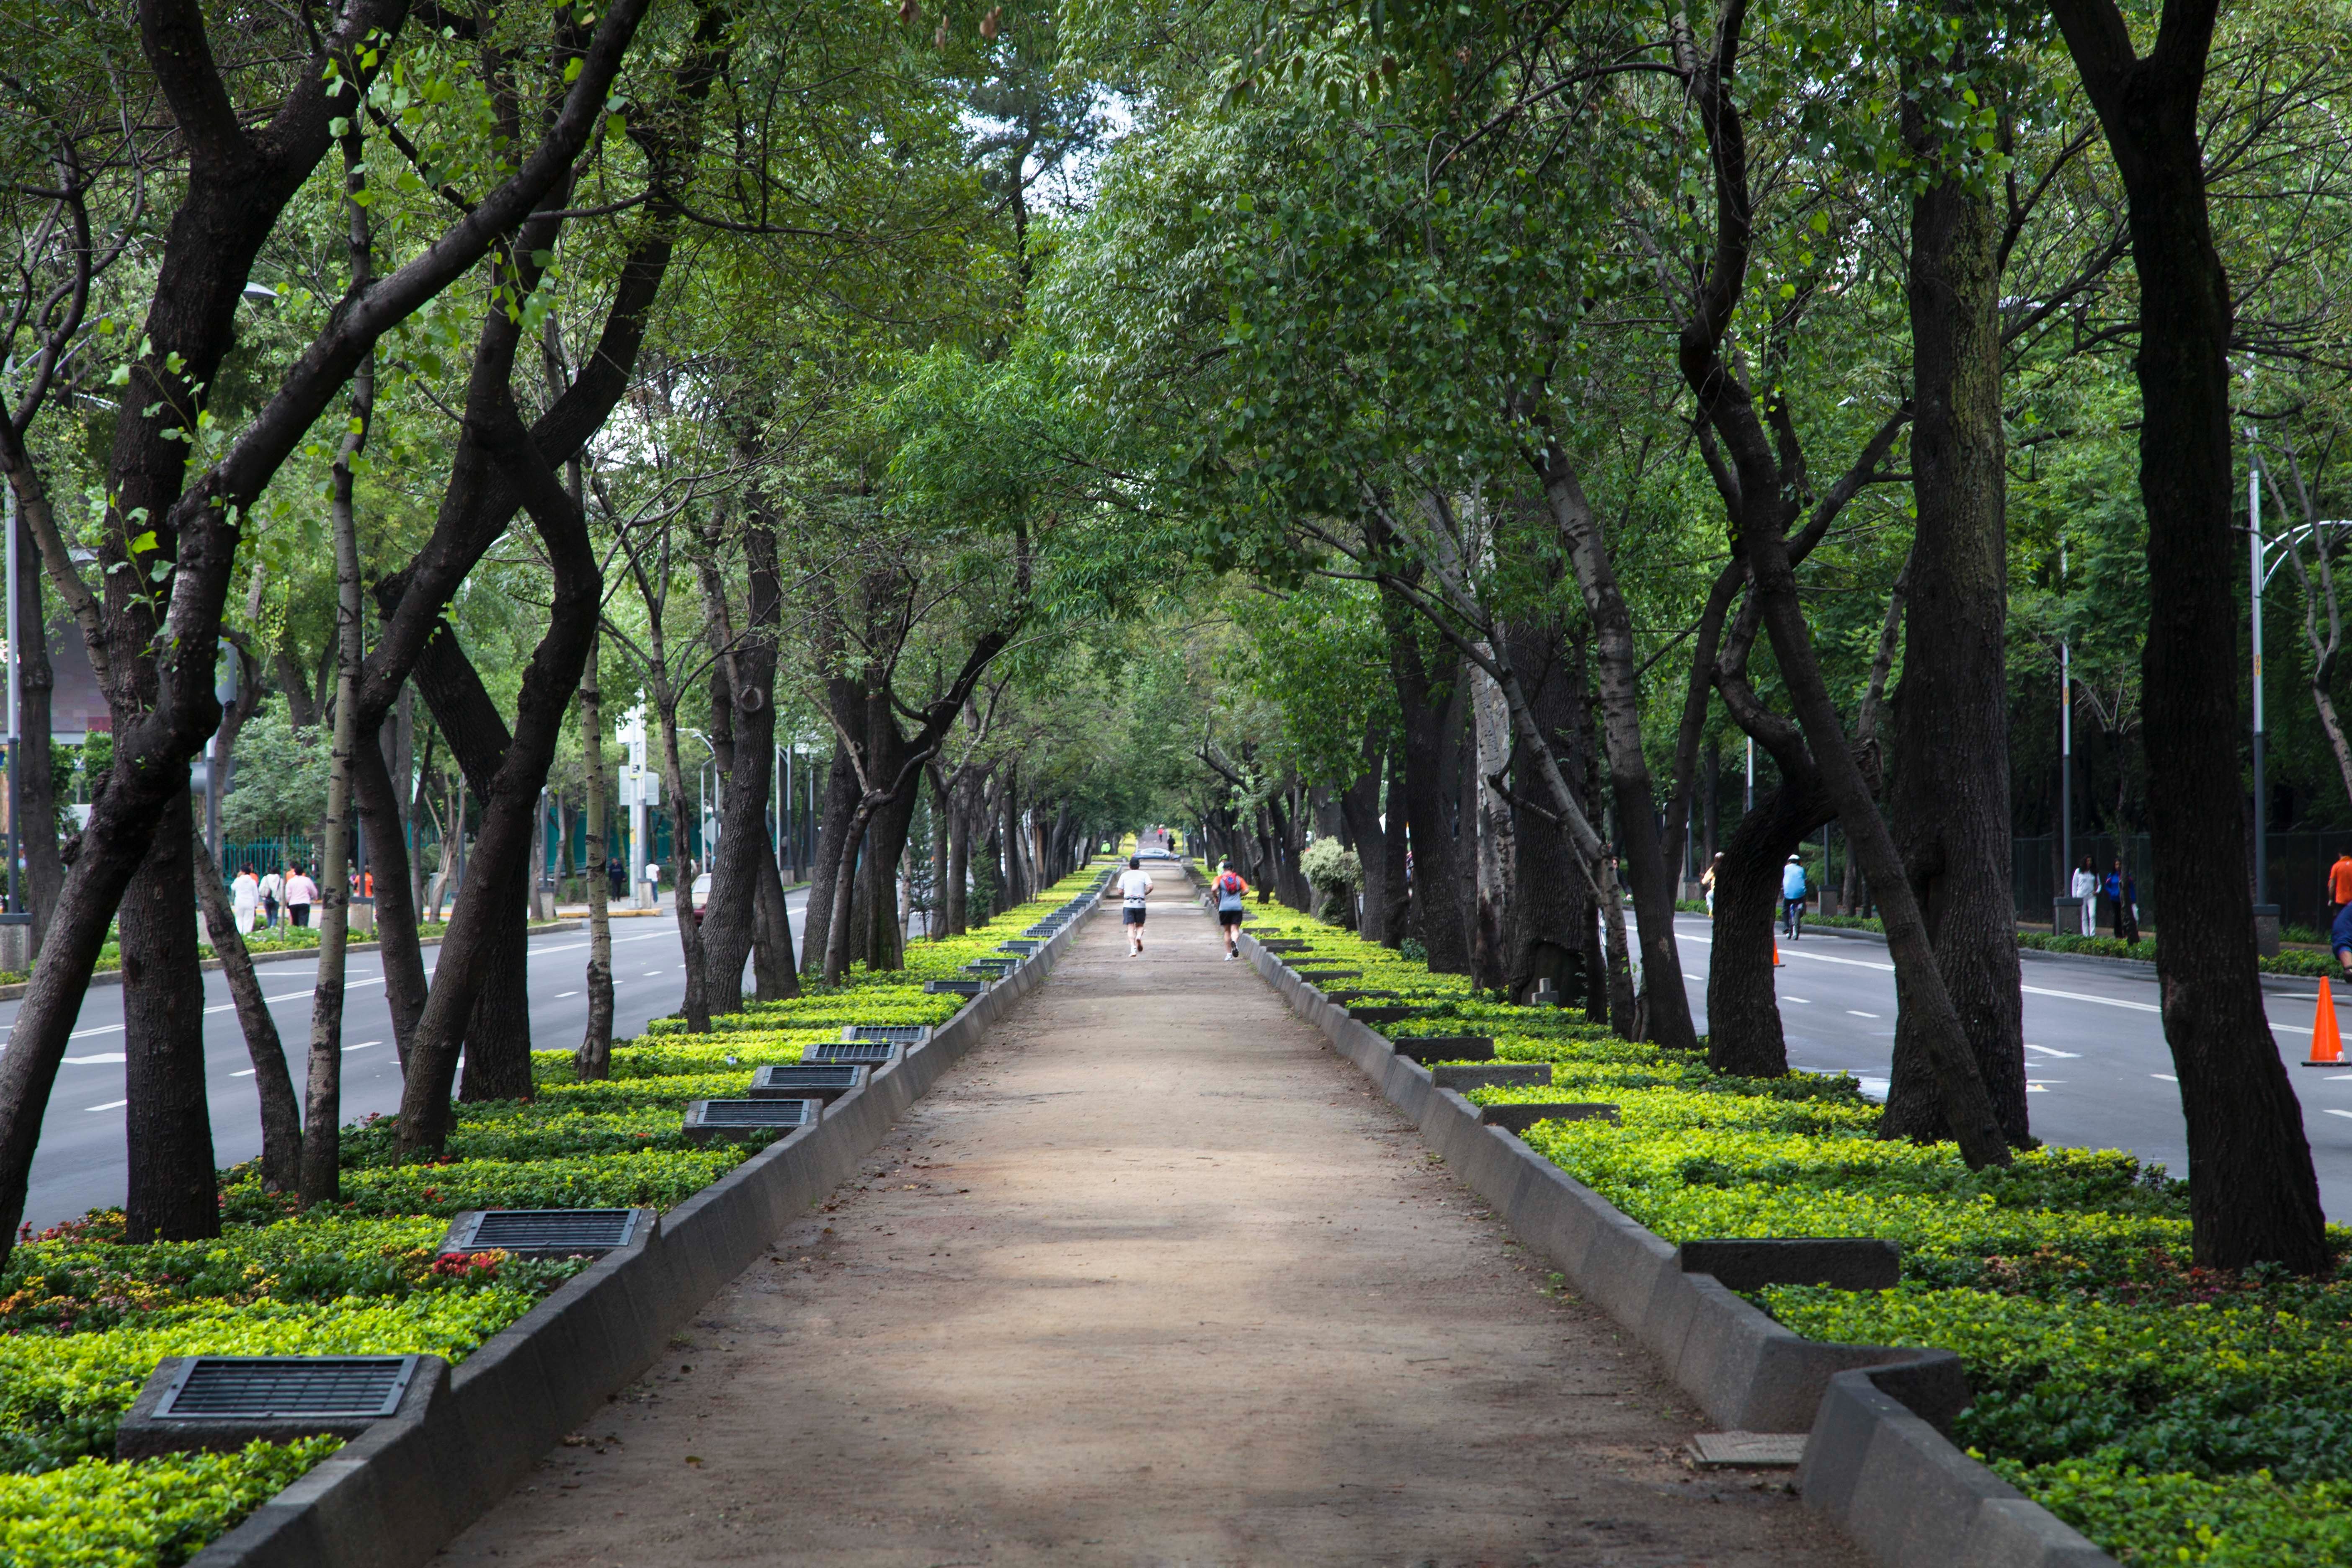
[(79, 1164), (2095, 1039)]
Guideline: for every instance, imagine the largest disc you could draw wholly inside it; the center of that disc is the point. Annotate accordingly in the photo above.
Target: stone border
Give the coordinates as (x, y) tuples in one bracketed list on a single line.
[(1875, 1460), (407, 1488)]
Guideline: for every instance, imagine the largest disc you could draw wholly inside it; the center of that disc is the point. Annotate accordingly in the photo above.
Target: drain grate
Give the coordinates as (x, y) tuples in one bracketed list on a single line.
[(899, 1034), (954, 987), (732, 1120), (865, 1053), (753, 1112), (1025, 948), (211, 1388), (805, 1076), (552, 1232)]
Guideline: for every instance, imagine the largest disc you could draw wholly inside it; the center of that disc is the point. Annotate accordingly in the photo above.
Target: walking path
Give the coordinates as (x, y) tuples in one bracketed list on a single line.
[(1151, 1278)]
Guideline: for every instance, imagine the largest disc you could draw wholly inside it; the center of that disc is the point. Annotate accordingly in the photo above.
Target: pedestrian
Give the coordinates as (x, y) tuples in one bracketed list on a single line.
[(1792, 897), (273, 884), (2127, 906), (1229, 888), (2085, 887), (1706, 882), (616, 875), (1134, 892), (2111, 888), (2340, 937), (244, 896), (653, 884), (300, 894), (2340, 883)]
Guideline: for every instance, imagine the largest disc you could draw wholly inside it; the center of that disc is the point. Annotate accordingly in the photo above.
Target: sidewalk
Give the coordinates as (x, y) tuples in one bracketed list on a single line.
[(1153, 1277)]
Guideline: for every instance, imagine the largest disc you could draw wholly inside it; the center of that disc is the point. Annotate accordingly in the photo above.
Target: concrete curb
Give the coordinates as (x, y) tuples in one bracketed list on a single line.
[(398, 1495), (1874, 1460)]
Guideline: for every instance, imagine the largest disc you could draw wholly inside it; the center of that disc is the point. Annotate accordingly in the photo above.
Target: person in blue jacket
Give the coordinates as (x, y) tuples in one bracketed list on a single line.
[(1792, 897)]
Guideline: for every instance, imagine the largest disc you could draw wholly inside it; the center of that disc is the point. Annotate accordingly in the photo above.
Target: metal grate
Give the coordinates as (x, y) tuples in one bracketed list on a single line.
[(954, 987), (872, 1053), (754, 1112), (1022, 947), (903, 1034), (805, 1076), (544, 1230), (265, 1387)]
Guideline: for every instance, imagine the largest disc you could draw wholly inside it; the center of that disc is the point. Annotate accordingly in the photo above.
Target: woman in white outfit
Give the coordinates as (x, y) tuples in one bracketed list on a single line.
[(245, 898), (2085, 887)]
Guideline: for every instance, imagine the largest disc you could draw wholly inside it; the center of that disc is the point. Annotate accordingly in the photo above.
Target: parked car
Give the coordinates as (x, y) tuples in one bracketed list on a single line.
[(701, 896)]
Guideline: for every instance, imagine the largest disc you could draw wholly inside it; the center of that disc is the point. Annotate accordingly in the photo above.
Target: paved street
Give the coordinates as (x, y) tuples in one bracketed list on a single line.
[(80, 1163), (2103, 1077)]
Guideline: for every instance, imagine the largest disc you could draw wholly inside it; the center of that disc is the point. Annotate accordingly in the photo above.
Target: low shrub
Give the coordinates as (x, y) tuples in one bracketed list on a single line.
[(2174, 1415)]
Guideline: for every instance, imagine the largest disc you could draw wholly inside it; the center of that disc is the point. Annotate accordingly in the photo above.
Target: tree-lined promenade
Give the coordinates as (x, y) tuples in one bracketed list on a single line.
[(1484, 471)]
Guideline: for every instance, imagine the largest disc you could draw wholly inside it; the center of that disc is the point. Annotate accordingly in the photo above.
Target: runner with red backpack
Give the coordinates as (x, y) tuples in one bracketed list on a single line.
[(1229, 888)]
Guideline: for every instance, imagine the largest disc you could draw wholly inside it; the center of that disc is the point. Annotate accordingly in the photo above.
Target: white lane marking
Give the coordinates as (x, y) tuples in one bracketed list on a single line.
[(618, 940), (110, 1105), (100, 1057), (2047, 1051), (2331, 1111), (101, 1029), (2029, 990), (561, 995), (364, 1044), (2336, 1078), (653, 972), (2165, 1076), (2102, 1001), (1806, 1000), (244, 1072), (1858, 1012)]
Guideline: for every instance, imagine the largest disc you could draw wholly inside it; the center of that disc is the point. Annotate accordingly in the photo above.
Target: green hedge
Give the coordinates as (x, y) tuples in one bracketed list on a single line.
[(2173, 1413), (85, 1315)]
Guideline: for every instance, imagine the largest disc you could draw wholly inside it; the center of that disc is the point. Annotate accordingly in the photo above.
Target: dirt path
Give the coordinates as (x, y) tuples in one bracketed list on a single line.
[(1153, 1277)]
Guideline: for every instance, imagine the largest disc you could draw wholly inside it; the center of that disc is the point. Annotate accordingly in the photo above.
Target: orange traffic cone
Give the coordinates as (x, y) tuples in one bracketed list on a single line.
[(2326, 1045), (1776, 956)]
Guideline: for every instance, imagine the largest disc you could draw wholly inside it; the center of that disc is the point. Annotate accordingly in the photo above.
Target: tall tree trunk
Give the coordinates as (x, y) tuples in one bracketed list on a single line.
[(503, 845), (954, 895), (1360, 804), (593, 1058), (322, 1102), (1743, 1010), (729, 928), (1950, 797), (405, 985), (37, 790), (498, 1024), (840, 805), (775, 976), (2253, 1196), (281, 1113), (168, 1127), (1436, 874), (1616, 659), (1551, 905)]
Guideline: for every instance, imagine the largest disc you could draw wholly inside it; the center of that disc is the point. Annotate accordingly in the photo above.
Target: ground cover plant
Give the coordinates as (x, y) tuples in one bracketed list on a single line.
[(85, 1315), (2170, 1413)]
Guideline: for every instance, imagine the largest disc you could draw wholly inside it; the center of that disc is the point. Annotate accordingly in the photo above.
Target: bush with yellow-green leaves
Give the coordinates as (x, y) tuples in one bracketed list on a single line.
[(2171, 1413), (85, 1315)]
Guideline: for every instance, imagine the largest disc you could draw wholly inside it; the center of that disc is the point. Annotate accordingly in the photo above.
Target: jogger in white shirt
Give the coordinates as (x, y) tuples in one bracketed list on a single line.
[(1134, 888)]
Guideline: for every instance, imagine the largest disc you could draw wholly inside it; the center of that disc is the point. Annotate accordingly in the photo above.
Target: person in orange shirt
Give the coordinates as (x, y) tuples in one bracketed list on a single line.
[(2340, 883)]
